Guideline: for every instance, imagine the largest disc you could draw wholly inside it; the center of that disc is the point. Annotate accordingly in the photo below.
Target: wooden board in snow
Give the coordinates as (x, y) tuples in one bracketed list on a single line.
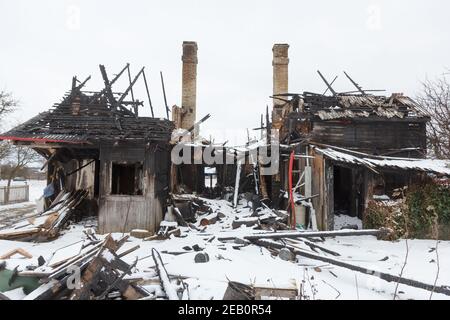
[(65, 253)]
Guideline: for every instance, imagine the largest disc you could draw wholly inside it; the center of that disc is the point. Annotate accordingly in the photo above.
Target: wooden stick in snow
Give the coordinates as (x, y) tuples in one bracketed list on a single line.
[(236, 186), (163, 276), (307, 234)]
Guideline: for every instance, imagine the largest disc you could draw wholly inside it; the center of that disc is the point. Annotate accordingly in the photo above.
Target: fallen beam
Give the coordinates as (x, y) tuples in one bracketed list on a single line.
[(384, 276), (163, 276), (319, 234), (316, 234), (313, 246)]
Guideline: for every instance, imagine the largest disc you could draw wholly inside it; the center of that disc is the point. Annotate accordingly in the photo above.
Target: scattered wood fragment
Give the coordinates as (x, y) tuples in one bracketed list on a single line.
[(175, 232), (239, 291), (140, 234), (106, 269), (308, 234), (248, 222), (101, 269), (65, 253), (20, 251), (312, 245), (163, 276), (277, 293), (132, 249), (46, 225), (179, 217)]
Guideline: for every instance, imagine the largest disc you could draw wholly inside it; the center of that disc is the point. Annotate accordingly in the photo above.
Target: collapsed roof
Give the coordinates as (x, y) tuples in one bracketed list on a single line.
[(397, 106), (91, 117)]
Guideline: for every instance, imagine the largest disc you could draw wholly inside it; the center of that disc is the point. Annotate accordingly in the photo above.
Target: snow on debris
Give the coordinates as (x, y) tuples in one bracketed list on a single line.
[(254, 265), (427, 165)]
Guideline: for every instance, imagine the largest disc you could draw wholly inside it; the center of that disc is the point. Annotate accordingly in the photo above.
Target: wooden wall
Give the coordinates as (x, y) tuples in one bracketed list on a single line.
[(122, 213), (322, 185), (82, 179), (371, 136)]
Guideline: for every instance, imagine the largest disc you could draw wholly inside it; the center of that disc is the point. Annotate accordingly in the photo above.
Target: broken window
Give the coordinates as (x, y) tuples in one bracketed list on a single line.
[(210, 177), (127, 179)]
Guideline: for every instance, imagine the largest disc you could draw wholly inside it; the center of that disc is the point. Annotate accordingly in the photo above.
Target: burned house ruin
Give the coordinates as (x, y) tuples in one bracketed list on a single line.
[(337, 151), (344, 149), (96, 141)]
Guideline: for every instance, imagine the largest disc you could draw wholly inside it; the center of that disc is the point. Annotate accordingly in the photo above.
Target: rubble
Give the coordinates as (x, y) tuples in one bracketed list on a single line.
[(101, 275), (131, 272), (250, 236), (46, 225), (140, 234)]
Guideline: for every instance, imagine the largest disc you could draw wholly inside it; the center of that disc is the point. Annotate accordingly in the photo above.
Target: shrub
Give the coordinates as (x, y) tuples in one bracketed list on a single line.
[(414, 213)]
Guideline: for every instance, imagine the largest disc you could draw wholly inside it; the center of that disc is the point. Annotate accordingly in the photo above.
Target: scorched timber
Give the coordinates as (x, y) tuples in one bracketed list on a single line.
[(317, 234)]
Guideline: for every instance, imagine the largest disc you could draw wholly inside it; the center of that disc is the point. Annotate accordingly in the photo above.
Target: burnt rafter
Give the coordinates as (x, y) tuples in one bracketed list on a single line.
[(93, 117), (357, 86), (328, 84), (107, 91)]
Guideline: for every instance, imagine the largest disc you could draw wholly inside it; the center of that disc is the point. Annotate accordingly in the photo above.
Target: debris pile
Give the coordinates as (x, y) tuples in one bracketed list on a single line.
[(46, 225), (95, 273)]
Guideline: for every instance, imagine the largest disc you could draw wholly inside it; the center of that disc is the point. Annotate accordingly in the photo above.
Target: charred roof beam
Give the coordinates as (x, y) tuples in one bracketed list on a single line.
[(357, 86), (326, 82)]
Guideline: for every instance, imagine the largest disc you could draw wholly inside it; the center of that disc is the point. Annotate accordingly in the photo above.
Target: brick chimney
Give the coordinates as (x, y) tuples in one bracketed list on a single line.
[(189, 85), (280, 65), (280, 69)]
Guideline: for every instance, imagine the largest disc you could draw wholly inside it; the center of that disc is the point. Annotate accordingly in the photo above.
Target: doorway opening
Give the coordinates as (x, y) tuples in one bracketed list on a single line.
[(348, 198)]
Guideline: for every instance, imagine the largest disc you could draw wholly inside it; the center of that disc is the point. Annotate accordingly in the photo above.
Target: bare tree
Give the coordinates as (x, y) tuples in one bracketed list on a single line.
[(7, 105), (5, 149), (434, 101), (20, 157)]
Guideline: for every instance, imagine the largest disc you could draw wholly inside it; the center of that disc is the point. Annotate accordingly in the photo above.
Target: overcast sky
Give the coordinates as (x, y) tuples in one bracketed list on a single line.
[(390, 45)]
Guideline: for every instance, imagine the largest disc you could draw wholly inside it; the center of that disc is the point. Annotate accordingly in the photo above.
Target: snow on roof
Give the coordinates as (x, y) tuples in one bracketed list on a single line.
[(440, 167)]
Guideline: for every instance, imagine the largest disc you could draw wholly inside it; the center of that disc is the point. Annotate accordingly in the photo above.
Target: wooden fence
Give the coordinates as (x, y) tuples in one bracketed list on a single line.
[(16, 194)]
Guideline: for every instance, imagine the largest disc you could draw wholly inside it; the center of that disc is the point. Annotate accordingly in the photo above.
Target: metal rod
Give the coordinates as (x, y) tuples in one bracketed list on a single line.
[(129, 80), (164, 93), (326, 82), (81, 85), (119, 102), (199, 122), (148, 95), (357, 86), (330, 85)]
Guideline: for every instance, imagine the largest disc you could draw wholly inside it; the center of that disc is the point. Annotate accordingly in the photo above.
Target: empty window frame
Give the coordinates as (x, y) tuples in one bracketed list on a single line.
[(127, 178)]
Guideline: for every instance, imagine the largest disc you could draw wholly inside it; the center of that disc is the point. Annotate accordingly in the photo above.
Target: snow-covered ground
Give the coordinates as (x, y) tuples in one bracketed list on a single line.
[(255, 265), (9, 213)]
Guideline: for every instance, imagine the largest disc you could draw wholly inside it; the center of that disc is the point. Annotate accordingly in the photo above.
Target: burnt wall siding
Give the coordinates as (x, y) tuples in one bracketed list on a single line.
[(122, 213), (372, 137)]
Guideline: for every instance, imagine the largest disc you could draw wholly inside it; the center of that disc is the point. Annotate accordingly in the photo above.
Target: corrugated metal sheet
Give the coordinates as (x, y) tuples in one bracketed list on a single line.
[(441, 167), (338, 114), (348, 106)]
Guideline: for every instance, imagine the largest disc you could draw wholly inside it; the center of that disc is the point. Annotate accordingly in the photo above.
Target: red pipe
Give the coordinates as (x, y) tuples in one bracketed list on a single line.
[(291, 193)]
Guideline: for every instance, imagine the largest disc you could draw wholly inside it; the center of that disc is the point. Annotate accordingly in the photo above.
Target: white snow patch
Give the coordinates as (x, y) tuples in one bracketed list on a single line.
[(342, 220)]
